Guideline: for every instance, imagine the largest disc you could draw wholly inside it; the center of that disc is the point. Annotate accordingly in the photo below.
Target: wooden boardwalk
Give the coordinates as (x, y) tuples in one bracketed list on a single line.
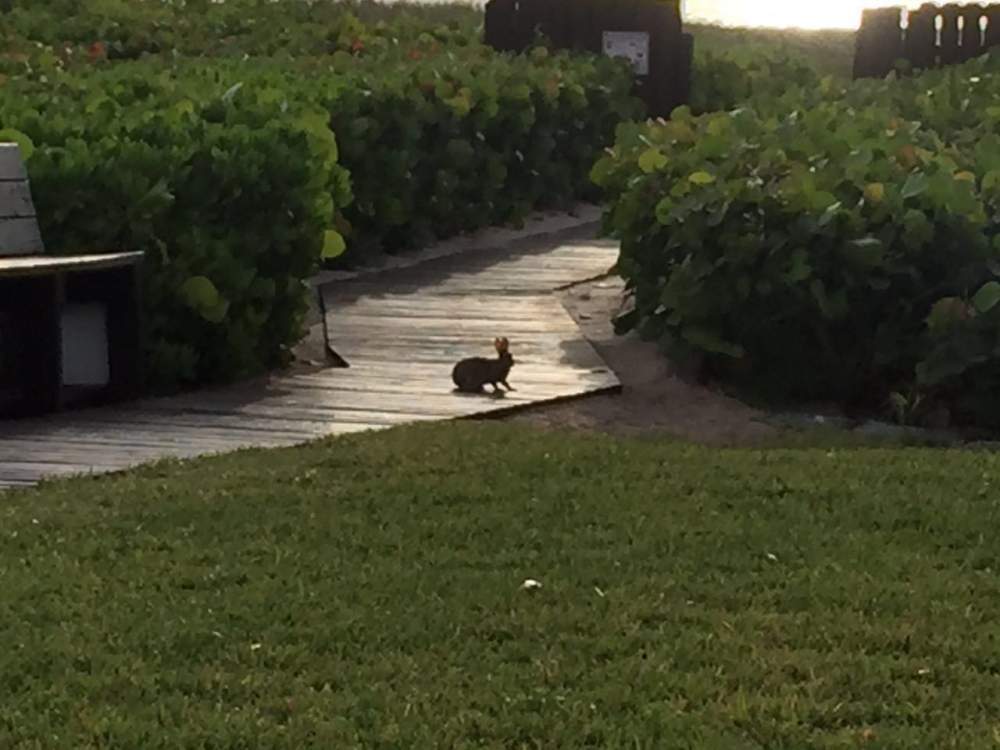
[(400, 331)]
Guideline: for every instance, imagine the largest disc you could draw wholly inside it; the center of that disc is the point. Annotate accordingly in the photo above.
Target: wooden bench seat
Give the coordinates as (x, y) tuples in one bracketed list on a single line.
[(48, 264), (69, 325)]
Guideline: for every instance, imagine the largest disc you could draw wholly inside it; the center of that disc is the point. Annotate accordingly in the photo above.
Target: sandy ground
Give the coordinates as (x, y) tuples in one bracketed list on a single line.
[(655, 400)]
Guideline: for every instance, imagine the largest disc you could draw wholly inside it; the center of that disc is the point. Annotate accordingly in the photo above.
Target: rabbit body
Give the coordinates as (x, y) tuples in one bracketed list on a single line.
[(472, 374)]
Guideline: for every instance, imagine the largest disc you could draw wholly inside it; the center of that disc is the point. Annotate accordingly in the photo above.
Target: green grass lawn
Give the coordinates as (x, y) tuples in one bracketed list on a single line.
[(364, 592)]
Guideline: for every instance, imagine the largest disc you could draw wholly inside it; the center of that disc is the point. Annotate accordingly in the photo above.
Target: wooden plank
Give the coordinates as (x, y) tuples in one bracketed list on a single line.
[(166, 418), (444, 330), (555, 23), (500, 25), (921, 37), (48, 264), (879, 42), (530, 20), (972, 18), (950, 53), (19, 237), (993, 25), (111, 437), (11, 163), (529, 386), (15, 200), (581, 29)]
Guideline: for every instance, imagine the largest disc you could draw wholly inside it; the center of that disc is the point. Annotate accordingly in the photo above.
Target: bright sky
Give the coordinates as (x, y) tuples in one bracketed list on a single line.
[(808, 14)]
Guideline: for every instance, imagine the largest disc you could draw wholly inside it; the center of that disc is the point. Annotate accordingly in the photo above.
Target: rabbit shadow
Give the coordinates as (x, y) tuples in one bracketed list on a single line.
[(487, 394)]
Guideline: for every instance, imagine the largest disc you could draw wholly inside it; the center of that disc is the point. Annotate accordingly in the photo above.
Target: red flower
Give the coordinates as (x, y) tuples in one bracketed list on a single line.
[(97, 51), (357, 46)]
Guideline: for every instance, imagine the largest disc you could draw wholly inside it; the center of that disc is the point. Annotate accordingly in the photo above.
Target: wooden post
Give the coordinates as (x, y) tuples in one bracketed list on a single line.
[(972, 32), (666, 86), (500, 25), (921, 37), (993, 26), (879, 42), (950, 52), (530, 20), (554, 23), (580, 26)]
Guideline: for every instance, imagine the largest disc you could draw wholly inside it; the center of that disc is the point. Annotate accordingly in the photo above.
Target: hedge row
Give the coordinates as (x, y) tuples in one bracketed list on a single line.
[(229, 199), (130, 29), (227, 173), (825, 242)]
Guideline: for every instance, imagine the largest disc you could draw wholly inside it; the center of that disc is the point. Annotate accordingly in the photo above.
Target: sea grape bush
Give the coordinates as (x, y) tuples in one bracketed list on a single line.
[(230, 197), (722, 81), (130, 29), (844, 247), (450, 143)]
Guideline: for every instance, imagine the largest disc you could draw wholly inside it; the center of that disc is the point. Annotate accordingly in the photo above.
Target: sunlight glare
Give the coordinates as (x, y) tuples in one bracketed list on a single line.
[(806, 14)]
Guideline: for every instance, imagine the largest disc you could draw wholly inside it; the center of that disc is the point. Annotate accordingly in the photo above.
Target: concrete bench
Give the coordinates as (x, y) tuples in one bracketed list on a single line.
[(69, 325)]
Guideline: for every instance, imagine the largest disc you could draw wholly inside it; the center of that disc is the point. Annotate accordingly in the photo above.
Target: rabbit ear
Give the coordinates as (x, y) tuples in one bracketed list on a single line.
[(501, 344)]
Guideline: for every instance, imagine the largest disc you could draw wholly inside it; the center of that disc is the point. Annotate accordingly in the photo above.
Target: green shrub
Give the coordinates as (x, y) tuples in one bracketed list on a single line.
[(836, 249), (228, 196), (129, 29), (756, 74), (439, 143)]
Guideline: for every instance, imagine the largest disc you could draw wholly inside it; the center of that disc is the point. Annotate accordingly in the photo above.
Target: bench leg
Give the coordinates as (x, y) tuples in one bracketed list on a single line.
[(124, 332), (42, 369)]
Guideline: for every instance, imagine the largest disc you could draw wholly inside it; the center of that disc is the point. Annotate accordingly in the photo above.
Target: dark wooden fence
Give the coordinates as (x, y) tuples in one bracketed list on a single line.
[(932, 36), (651, 29)]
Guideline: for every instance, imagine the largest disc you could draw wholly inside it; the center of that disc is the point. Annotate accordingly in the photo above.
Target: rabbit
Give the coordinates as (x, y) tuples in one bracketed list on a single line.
[(470, 375)]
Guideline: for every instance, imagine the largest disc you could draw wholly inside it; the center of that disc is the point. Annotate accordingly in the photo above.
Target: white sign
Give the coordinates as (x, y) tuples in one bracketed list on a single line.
[(632, 45)]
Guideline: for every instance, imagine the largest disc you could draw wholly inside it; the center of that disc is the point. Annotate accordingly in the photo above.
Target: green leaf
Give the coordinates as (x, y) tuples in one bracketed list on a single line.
[(663, 210), (602, 171), (217, 312), (25, 144), (917, 229), (719, 125), (945, 314), (800, 269), (991, 180), (823, 201), (333, 244), (652, 160), (987, 297), (916, 184), (875, 193), (702, 178), (200, 293)]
